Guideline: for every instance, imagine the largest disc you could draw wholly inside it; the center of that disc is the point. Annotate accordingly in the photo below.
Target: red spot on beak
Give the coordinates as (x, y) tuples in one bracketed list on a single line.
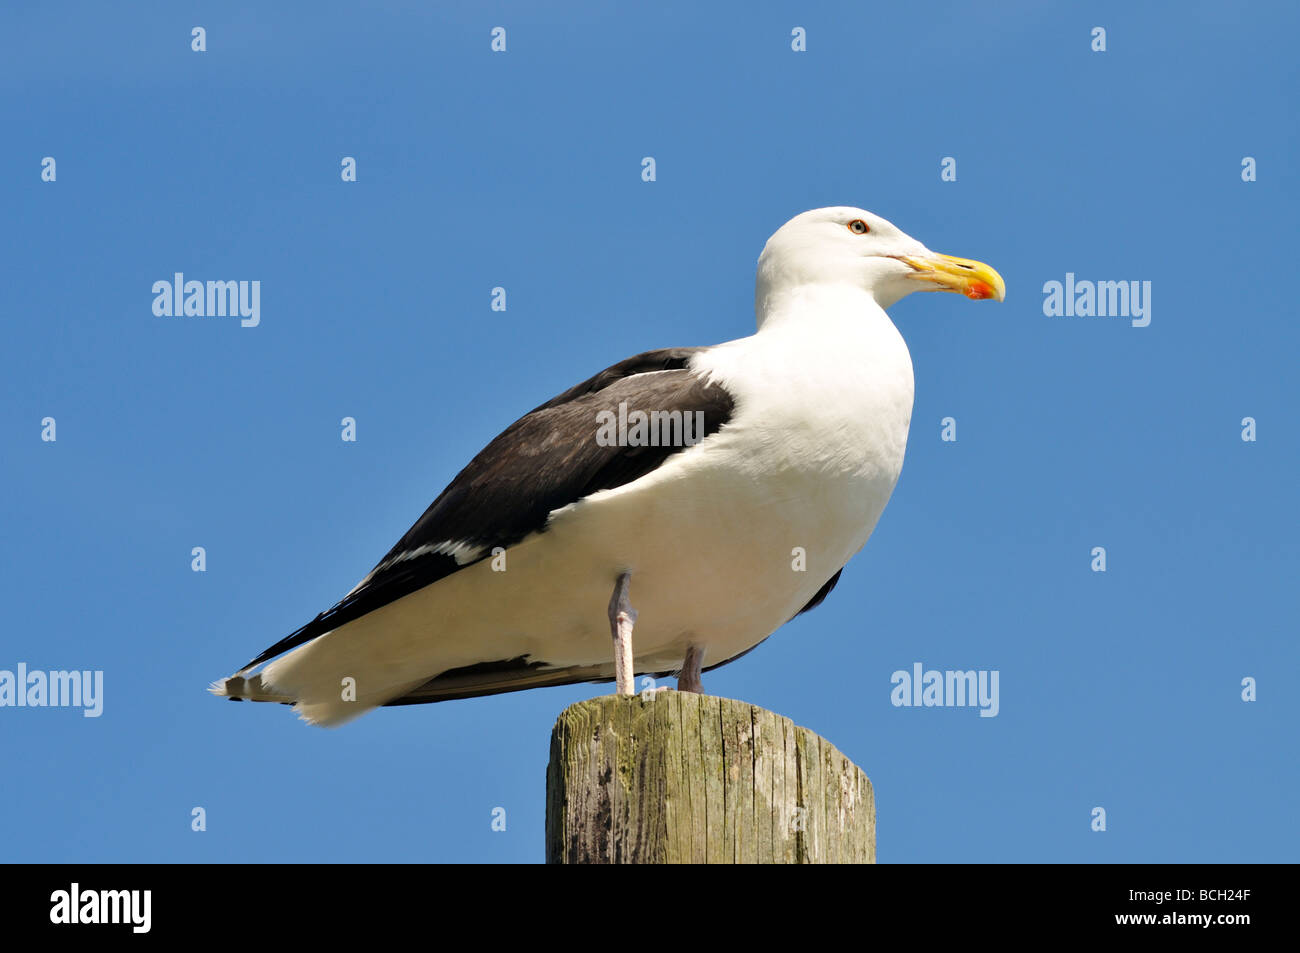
[(978, 290)]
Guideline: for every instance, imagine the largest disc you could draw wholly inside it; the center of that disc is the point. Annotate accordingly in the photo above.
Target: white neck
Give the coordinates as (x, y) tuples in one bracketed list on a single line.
[(840, 307)]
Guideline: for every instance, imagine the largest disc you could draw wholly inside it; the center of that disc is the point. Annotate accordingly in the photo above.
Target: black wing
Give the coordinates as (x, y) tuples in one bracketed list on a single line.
[(547, 459)]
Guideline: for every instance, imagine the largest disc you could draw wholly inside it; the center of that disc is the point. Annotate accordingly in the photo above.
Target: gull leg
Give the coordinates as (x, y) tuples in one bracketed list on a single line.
[(621, 618), (688, 679)]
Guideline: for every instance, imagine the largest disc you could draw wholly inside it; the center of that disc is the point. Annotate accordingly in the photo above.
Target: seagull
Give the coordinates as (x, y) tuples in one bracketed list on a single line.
[(663, 517)]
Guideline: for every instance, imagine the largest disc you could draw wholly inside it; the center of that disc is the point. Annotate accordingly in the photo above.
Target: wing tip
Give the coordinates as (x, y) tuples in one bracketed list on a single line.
[(238, 688)]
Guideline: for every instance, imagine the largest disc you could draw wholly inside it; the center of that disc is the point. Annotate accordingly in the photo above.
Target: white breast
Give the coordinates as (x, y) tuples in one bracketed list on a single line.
[(824, 403)]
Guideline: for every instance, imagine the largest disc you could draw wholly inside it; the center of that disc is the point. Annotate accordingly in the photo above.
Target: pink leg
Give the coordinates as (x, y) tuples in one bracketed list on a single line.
[(688, 679), (621, 618)]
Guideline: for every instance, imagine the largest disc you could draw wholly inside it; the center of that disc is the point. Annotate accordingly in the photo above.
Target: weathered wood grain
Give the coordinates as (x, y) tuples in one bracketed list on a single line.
[(676, 777)]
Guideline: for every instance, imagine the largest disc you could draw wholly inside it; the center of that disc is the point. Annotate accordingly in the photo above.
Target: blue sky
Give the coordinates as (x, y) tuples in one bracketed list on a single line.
[(522, 169)]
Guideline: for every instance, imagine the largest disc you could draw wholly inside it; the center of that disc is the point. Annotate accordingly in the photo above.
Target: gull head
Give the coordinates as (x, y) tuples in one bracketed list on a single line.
[(851, 246)]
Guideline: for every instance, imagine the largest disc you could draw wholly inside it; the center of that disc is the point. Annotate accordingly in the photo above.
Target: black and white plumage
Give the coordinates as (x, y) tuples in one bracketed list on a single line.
[(504, 583)]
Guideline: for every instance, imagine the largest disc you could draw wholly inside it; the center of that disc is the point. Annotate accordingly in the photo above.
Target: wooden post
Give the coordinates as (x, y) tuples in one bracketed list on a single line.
[(675, 777)]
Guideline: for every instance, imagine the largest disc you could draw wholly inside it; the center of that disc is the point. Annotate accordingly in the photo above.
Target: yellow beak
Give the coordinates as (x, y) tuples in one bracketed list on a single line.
[(974, 279)]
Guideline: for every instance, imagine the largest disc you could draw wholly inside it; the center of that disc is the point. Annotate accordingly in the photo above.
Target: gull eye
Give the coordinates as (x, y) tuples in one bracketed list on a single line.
[(859, 227)]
